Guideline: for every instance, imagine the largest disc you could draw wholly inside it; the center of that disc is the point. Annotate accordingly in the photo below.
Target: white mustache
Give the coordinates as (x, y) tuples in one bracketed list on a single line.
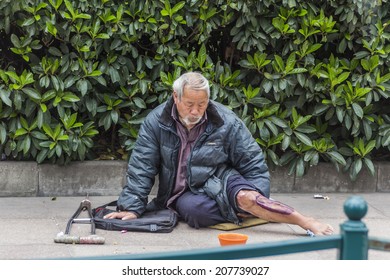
[(188, 121)]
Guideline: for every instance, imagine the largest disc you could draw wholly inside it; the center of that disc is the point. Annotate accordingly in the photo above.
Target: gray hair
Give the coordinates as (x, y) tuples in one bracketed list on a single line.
[(192, 80)]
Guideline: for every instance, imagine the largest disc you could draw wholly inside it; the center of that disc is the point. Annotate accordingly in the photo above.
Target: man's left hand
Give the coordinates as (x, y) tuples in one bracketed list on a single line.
[(124, 215)]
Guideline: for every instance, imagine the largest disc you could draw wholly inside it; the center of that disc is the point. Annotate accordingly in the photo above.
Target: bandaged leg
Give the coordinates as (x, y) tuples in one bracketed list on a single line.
[(273, 206)]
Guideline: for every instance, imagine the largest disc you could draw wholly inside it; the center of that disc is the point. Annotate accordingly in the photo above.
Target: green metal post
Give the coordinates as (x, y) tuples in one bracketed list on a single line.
[(354, 233)]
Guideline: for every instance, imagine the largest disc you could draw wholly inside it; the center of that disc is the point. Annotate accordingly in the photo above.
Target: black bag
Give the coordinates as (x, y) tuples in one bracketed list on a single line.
[(154, 221)]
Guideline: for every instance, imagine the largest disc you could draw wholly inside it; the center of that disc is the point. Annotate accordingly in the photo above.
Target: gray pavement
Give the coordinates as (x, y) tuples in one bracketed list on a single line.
[(30, 224)]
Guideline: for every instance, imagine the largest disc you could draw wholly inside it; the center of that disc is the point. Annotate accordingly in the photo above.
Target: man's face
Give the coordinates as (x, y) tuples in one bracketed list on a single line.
[(192, 106)]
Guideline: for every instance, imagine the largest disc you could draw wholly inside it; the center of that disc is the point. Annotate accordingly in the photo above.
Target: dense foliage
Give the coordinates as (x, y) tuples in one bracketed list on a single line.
[(309, 78)]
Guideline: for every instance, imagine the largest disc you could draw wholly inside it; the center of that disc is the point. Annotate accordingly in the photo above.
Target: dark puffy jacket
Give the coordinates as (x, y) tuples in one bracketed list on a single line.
[(226, 147)]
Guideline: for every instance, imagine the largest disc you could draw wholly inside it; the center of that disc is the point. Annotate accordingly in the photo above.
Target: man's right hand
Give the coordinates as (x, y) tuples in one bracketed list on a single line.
[(124, 215)]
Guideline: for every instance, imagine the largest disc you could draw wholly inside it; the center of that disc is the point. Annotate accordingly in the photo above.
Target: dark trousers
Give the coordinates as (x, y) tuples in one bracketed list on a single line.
[(199, 210)]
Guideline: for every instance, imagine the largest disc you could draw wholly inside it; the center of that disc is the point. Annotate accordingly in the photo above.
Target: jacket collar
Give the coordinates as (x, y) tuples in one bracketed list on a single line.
[(213, 116)]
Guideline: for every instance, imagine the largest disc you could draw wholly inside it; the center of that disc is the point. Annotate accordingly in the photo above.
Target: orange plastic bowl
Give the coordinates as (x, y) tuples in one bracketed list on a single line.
[(226, 239)]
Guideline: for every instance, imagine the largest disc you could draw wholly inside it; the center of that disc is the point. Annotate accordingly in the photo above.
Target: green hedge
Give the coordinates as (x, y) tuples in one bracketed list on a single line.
[(309, 78)]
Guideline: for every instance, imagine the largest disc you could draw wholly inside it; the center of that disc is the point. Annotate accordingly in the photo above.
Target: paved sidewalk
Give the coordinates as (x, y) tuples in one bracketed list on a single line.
[(29, 225)]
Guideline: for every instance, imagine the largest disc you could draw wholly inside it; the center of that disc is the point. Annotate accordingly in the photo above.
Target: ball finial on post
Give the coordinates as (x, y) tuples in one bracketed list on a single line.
[(353, 231), (355, 208)]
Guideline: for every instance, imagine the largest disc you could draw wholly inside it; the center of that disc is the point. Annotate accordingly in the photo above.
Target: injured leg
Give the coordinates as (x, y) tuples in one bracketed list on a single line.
[(273, 206), (254, 203)]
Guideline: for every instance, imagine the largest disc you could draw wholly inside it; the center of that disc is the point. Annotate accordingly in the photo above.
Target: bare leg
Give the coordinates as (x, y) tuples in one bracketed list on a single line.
[(264, 208)]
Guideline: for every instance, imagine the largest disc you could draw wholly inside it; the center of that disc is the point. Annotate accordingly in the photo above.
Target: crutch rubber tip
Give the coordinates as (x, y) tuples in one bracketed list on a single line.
[(92, 239), (66, 238)]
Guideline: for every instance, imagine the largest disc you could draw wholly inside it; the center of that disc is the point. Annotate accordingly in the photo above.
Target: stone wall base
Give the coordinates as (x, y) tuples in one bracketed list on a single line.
[(97, 178)]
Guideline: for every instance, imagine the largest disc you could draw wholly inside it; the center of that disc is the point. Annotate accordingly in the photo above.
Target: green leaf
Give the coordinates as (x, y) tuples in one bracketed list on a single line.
[(297, 71), (279, 62), (358, 110), (4, 95), (26, 144), (42, 155), (114, 116), (95, 73), (313, 48), (48, 95), (290, 63), (57, 101), (143, 84), (82, 86), (139, 102), (33, 93), (304, 128), (58, 150), (343, 76), (286, 142), (70, 97), (47, 130), (38, 135), (40, 118), (57, 131), (370, 166), (13, 76), (355, 168), (56, 83), (91, 132), (15, 41), (303, 138), (20, 132), (55, 51), (310, 155), (365, 64), (367, 129), (103, 36), (259, 101), (81, 150), (370, 146), (337, 157), (300, 168), (3, 134), (178, 7), (164, 13), (202, 55), (164, 26), (51, 28), (28, 21), (24, 123), (45, 144), (279, 122), (320, 109), (114, 75), (105, 121), (69, 81), (63, 137), (84, 49)]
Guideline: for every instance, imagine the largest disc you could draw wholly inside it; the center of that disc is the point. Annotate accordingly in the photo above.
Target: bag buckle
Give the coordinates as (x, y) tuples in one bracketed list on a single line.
[(153, 227)]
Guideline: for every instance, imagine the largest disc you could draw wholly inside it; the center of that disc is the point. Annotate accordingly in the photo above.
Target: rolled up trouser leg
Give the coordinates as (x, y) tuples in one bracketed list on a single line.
[(198, 210)]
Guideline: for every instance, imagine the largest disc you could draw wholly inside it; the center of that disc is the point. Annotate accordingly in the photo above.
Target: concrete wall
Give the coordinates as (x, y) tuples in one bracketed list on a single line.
[(76, 179), (108, 177)]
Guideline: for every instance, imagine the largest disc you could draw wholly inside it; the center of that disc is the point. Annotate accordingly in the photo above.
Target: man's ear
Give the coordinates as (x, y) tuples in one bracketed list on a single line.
[(175, 98)]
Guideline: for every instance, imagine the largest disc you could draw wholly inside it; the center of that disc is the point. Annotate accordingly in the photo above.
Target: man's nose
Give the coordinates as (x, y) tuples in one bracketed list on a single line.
[(195, 111)]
